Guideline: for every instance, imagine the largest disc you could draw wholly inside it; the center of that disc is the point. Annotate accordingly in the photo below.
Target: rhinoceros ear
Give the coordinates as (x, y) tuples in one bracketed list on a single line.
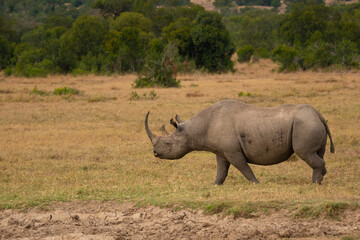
[(172, 122), (178, 119), (180, 127)]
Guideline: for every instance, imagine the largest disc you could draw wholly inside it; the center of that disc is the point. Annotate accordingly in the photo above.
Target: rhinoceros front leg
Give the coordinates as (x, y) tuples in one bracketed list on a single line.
[(222, 169), (238, 160)]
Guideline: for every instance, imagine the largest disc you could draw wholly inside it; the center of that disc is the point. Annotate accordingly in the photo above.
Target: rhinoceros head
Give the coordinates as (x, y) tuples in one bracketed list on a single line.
[(169, 146)]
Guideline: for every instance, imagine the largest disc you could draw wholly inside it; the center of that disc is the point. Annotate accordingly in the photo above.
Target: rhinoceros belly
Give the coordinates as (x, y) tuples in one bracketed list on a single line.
[(267, 143)]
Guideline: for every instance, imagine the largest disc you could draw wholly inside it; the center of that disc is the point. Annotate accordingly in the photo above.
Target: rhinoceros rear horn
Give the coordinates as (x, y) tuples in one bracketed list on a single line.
[(147, 127), (164, 132)]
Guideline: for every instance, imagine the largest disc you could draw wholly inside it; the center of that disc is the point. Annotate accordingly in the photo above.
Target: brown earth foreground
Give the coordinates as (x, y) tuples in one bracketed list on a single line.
[(109, 220)]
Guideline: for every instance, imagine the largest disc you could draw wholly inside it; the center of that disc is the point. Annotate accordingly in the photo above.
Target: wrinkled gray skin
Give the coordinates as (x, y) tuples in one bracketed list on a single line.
[(240, 134)]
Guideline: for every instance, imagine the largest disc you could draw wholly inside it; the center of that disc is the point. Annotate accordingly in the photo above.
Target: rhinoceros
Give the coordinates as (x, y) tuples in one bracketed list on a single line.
[(240, 134)]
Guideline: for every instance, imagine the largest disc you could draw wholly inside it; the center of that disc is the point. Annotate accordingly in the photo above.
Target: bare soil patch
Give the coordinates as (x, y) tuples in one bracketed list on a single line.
[(110, 220)]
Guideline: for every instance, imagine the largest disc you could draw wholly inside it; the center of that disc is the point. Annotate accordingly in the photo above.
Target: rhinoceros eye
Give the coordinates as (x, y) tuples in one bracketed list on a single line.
[(168, 144)]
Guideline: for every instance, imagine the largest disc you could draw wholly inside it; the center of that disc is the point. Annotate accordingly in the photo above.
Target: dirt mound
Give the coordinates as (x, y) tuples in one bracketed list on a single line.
[(99, 220)]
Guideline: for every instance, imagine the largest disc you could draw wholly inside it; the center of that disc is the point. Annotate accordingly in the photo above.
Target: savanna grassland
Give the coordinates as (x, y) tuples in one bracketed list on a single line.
[(93, 145)]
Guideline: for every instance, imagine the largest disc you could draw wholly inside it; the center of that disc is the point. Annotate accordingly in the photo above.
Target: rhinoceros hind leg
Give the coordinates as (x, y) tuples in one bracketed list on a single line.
[(317, 164), (222, 169), (238, 160), (309, 140), (321, 154)]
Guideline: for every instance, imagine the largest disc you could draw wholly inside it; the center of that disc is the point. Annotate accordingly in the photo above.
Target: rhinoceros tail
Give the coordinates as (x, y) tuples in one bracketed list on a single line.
[(332, 147)]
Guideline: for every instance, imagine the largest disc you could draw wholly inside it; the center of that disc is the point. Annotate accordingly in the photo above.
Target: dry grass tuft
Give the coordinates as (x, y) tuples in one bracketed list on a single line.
[(94, 146), (194, 94)]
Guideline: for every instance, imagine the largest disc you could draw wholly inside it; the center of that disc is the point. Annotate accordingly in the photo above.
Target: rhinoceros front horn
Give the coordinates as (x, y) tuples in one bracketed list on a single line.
[(147, 127)]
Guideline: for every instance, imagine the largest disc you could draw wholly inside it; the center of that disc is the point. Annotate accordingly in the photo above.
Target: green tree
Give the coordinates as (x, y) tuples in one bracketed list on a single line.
[(7, 30), (290, 4), (190, 12), (86, 35), (132, 19), (131, 49), (303, 21), (256, 27), (66, 59), (350, 31), (82, 45), (28, 14), (6, 53), (165, 16), (113, 8), (211, 46), (179, 32), (126, 49), (42, 36), (146, 7), (59, 21), (47, 39), (275, 3), (162, 18)]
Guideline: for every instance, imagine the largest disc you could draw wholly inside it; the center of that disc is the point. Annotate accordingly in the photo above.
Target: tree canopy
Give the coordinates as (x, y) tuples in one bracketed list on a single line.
[(310, 35), (211, 45), (108, 36)]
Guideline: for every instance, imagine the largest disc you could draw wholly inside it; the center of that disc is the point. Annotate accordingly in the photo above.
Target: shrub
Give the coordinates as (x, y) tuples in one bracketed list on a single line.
[(32, 63), (289, 58), (318, 55), (38, 92), (134, 96), (66, 91), (245, 53), (8, 71), (241, 94), (264, 53), (160, 66), (89, 64), (79, 71), (152, 94), (346, 53)]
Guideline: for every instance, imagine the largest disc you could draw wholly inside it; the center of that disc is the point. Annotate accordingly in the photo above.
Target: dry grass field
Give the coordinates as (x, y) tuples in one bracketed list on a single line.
[(93, 146)]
